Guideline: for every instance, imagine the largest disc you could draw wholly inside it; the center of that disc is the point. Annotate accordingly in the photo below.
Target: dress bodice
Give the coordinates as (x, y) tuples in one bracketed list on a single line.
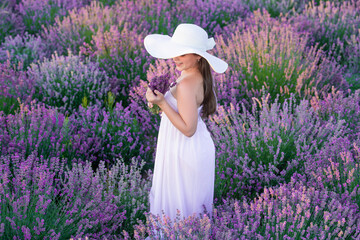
[(173, 102)]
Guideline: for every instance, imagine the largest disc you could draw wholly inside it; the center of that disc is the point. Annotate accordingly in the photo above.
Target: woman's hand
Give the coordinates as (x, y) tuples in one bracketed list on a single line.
[(157, 98)]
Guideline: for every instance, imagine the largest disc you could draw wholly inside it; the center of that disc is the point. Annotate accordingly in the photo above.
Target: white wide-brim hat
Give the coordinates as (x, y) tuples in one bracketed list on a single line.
[(187, 38)]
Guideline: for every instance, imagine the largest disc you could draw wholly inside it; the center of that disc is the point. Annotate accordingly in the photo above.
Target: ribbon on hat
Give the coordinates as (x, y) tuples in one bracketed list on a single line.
[(210, 43)]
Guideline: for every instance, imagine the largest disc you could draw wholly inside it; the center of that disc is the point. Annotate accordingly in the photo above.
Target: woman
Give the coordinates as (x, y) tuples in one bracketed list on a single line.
[(184, 169)]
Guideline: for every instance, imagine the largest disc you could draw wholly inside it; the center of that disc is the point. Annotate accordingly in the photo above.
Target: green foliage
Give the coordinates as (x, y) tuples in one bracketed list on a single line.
[(34, 19), (110, 102), (276, 8), (354, 81), (9, 105), (108, 2)]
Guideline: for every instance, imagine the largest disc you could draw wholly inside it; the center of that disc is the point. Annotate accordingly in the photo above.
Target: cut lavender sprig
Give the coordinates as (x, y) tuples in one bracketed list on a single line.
[(160, 83)]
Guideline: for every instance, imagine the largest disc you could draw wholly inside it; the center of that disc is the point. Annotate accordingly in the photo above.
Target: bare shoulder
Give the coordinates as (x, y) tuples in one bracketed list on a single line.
[(188, 86), (190, 81), (185, 84)]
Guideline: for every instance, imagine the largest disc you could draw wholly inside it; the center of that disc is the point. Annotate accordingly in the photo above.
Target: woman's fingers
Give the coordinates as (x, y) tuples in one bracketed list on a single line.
[(154, 97), (151, 97), (158, 93), (149, 94)]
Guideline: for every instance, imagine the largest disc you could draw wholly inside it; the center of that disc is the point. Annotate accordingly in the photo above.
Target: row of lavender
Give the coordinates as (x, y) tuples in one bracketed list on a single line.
[(313, 49), (310, 150), (73, 85)]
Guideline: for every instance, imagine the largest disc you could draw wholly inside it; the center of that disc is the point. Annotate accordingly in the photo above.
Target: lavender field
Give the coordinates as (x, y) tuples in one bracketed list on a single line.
[(77, 140)]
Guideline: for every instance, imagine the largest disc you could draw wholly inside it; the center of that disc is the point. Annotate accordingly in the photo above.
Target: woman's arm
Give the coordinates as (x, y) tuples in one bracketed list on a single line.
[(186, 119)]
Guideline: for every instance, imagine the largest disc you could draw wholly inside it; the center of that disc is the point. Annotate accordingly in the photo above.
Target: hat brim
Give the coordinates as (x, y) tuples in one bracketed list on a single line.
[(161, 46)]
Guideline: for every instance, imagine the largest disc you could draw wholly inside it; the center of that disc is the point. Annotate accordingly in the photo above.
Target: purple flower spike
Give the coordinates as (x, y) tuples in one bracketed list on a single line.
[(161, 83)]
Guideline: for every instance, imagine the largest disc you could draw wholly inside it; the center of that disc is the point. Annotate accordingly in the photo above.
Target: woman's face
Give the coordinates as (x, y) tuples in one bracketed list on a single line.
[(186, 61)]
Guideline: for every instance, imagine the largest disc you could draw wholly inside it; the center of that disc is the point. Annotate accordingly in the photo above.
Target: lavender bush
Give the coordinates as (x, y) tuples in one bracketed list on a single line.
[(122, 56), (266, 146), (10, 23), (163, 16), (99, 134), (79, 26), (353, 51), (337, 169), (150, 122), (15, 87), (353, 80), (42, 199), (291, 211), (287, 131), (270, 54), (63, 82), (330, 24), (91, 134), (23, 49), (39, 13), (340, 107), (215, 15), (278, 7), (32, 129), (353, 60), (36, 13), (161, 227)]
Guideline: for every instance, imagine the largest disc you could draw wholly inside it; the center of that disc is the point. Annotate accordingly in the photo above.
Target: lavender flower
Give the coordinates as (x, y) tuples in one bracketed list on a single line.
[(23, 49), (122, 55), (340, 106), (270, 55), (15, 87), (42, 198), (91, 134), (331, 25), (275, 8), (160, 83), (36, 13), (353, 51), (287, 131), (266, 145), (31, 129), (79, 26), (337, 170), (10, 23), (64, 81), (289, 211)]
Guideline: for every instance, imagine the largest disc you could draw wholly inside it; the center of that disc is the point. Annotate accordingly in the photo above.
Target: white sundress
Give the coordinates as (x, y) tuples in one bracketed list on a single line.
[(184, 170)]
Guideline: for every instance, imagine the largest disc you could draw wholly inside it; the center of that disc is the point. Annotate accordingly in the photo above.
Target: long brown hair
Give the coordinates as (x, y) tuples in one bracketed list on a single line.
[(209, 102)]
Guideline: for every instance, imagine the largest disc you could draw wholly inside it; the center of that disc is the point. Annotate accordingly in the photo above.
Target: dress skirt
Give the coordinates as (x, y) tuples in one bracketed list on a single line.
[(184, 170)]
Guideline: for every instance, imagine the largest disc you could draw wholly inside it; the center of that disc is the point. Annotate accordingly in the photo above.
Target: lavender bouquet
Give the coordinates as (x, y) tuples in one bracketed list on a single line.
[(162, 84)]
